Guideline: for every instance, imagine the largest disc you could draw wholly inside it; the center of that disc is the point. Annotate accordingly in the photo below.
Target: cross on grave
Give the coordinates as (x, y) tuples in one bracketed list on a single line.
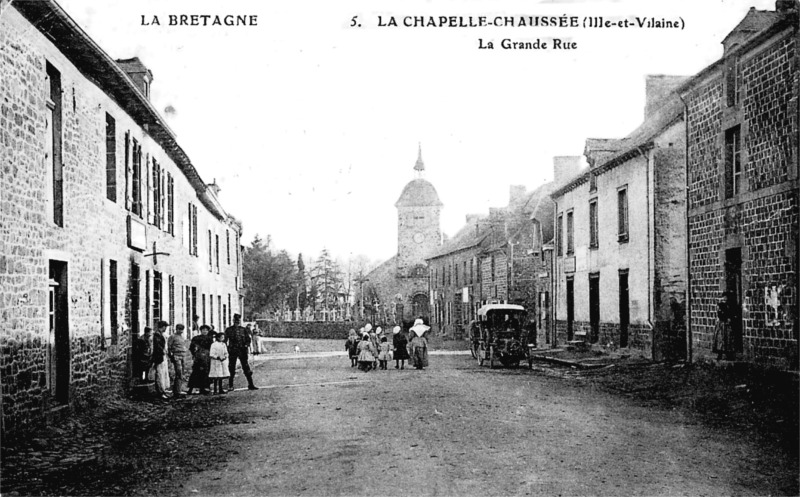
[(155, 254)]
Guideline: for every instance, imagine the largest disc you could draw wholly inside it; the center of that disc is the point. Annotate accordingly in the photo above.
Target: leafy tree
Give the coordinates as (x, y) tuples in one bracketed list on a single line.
[(268, 277)]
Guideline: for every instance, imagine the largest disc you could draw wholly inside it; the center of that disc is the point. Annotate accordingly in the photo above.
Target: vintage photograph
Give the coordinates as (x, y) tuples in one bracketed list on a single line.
[(462, 247)]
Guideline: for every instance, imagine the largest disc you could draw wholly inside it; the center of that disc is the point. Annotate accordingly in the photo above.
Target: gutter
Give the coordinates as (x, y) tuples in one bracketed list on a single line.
[(650, 241)]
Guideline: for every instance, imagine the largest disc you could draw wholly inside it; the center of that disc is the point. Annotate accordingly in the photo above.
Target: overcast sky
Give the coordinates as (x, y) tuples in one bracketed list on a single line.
[(311, 127)]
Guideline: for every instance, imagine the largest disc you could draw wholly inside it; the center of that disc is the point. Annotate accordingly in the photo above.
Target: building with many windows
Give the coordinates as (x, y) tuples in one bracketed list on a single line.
[(107, 227), (619, 274), (743, 152)]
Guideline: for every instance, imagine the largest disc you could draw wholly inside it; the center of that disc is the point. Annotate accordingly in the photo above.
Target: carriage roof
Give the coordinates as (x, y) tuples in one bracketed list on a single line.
[(499, 307)]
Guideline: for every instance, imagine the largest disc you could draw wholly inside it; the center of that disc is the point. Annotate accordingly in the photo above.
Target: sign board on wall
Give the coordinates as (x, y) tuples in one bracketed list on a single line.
[(137, 234)]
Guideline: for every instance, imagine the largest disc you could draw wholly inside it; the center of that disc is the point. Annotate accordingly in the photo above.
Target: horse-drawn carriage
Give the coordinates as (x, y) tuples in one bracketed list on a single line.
[(499, 336)]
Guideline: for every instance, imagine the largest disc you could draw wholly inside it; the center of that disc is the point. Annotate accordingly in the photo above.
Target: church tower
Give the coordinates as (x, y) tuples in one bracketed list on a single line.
[(418, 229)]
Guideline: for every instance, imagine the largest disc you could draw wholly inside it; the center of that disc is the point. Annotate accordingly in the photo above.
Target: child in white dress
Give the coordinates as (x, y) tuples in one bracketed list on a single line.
[(218, 370)]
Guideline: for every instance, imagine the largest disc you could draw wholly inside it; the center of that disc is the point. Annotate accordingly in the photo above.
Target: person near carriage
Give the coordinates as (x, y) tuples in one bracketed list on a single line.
[(419, 344), (400, 346)]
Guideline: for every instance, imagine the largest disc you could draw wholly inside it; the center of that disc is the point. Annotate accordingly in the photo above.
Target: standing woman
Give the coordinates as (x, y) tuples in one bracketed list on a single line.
[(400, 344), (419, 344), (200, 348), (723, 334)]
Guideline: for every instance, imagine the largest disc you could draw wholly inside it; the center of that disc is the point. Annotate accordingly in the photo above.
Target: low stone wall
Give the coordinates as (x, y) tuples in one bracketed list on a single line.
[(306, 329)]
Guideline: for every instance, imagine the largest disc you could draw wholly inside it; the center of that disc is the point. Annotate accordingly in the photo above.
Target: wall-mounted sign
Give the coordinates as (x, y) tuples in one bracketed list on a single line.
[(137, 234), (569, 264)]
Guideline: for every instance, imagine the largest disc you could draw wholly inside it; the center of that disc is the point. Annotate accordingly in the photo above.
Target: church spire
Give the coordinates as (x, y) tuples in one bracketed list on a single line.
[(419, 167)]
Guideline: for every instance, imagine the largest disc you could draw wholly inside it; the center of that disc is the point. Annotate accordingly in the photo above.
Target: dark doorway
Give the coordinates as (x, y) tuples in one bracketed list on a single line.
[(570, 307), (733, 293), (624, 309), (594, 307), (58, 340)]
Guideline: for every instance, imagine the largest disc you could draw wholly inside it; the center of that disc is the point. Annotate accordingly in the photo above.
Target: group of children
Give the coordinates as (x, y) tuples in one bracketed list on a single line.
[(373, 350)]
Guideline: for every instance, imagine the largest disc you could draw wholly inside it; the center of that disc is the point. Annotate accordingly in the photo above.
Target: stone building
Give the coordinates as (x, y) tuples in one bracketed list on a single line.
[(107, 227), (494, 258), (397, 290), (742, 146), (620, 259)]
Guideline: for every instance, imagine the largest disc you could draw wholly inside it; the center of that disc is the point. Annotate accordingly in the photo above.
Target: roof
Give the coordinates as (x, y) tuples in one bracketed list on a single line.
[(467, 237), (753, 23), (418, 193), (499, 307), (632, 145), (53, 22)]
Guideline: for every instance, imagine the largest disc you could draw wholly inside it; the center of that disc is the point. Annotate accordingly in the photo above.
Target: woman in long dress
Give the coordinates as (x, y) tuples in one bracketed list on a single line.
[(419, 344), (723, 333), (201, 361), (400, 346)]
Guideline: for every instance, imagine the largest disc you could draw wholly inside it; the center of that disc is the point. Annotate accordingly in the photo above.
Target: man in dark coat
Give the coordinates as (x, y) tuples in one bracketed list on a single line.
[(238, 339)]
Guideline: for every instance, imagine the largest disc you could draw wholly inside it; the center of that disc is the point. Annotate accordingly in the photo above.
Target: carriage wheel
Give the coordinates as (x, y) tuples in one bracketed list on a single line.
[(481, 354), (491, 357)]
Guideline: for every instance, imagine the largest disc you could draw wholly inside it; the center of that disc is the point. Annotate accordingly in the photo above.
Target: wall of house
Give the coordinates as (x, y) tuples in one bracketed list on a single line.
[(94, 232), (762, 220)]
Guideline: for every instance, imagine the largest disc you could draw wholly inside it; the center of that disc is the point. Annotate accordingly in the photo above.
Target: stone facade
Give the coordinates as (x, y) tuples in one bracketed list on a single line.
[(397, 291), (620, 260), (742, 167), (85, 264)]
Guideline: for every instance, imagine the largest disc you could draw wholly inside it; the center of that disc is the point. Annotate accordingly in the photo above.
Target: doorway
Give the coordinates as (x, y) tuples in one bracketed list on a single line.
[(624, 309), (58, 353), (570, 307), (594, 307), (733, 294)]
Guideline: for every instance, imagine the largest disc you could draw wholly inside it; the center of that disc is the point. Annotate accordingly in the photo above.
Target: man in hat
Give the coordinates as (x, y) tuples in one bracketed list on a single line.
[(176, 350), (238, 338)]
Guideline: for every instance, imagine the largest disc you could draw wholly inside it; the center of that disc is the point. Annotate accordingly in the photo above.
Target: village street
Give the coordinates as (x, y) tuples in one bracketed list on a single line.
[(318, 427)]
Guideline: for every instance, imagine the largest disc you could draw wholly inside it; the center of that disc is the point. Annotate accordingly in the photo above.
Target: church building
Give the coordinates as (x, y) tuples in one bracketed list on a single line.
[(397, 291)]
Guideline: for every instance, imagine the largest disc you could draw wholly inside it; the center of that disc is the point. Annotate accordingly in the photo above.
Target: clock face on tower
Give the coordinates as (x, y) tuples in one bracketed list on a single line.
[(419, 237)]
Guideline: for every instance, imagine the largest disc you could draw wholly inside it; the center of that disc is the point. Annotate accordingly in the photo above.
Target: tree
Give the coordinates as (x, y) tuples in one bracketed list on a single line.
[(326, 279), (268, 278), (300, 284)]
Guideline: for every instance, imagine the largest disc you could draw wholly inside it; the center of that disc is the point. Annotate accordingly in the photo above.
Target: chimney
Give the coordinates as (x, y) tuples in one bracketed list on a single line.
[(784, 6), (141, 75), (214, 187), (657, 88), (516, 195), (598, 150), (565, 167)]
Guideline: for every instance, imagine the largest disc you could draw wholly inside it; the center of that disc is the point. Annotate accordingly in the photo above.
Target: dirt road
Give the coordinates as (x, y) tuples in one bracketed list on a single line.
[(455, 429), (318, 427)]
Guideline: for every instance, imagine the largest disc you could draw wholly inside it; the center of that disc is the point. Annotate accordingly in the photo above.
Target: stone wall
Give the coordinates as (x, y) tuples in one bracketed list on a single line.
[(762, 219), (307, 329), (94, 356)]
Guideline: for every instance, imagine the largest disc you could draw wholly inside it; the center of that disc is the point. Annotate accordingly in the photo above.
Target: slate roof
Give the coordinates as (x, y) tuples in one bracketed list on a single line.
[(418, 193)]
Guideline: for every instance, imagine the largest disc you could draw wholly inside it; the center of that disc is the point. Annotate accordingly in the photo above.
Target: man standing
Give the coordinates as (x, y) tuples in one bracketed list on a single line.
[(238, 339), (176, 348)]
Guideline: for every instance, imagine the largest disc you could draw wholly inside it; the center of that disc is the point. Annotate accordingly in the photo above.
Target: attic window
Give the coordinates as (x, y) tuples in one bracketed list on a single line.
[(592, 183), (146, 87)]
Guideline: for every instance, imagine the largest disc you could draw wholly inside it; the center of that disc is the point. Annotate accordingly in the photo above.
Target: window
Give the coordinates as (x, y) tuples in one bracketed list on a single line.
[(157, 297), (216, 250), (55, 176), (622, 214), (593, 235), (170, 205), (128, 172), (157, 192), (455, 270), (570, 234), (733, 161), (560, 235), (493, 267), (137, 178), (192, 229), (147, 298), (465, 272), (471, 270), (211, 309), (592, 183), (228, 244), (203, 297), (111, 159), (210, 253)]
